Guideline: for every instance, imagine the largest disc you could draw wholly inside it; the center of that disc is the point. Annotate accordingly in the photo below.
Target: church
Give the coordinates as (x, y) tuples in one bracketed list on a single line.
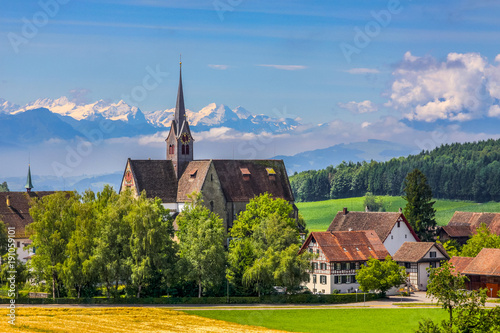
[(227, 186)]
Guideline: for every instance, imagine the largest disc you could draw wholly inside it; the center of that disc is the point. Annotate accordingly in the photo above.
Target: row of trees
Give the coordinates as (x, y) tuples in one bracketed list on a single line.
[(469, 171), (114, 244)]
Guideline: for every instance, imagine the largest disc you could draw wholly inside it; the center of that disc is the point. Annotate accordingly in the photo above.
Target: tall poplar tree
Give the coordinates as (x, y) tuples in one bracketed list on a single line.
[(419, 210)]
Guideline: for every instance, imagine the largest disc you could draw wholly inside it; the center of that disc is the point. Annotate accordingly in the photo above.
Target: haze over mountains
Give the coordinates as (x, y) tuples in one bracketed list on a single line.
[(52, 131)]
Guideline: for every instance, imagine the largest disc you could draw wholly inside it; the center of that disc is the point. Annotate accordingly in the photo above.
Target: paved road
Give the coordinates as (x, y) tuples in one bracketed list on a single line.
[(389, 302)]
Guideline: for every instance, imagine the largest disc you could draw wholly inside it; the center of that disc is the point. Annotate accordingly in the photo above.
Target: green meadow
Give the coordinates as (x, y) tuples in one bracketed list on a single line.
[(329, 320), (319, 214)]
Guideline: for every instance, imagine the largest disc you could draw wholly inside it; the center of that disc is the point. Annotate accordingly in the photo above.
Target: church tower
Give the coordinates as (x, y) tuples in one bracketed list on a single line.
[(179, 140)]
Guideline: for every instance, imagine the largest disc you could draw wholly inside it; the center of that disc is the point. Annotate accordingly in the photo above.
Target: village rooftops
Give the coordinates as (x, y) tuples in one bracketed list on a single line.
[(487, 262), (339, 246), (464, 224), (382, 222), (14, 212), (416, 252)]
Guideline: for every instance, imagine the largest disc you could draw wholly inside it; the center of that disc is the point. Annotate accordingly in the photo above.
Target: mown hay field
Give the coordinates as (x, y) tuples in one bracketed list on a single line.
[(119, 319)]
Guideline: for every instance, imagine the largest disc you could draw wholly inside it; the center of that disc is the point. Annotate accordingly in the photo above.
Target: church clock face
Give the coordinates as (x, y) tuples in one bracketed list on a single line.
[(128, 178), (185, 138)]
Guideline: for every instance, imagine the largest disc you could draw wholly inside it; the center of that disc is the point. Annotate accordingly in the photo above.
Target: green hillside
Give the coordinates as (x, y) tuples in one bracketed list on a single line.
[(319, 214)]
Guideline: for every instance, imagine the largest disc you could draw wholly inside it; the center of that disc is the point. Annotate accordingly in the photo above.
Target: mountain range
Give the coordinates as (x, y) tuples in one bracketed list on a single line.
[(61, 118)]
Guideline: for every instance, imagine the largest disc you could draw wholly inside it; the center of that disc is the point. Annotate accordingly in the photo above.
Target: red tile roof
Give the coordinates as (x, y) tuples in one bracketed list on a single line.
[(17, 215), (339, 246), (464, 224), (381, 222), (416, 251), (192, 179), (237, 188), (487, 262), (460, 263), (157, 177)]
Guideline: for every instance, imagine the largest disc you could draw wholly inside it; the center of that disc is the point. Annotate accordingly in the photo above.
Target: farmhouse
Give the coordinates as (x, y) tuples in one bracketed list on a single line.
[(392, 228), (226, 185), (464, 224), (417, 257), (483, 271), (339, 255), (14, 212)]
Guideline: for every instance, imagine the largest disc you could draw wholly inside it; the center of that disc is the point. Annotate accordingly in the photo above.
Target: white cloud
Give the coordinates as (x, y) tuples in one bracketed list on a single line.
[(220, 67), (285, 67), (359, 107), (363, 71), (460, 88)]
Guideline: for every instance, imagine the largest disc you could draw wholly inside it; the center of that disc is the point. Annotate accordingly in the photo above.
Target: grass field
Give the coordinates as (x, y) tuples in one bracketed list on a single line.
[(98, 320), (319, 214), (330, 320)]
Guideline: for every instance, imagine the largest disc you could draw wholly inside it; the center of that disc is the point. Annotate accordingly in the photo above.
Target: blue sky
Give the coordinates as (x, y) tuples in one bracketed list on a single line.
[(105, 46), (414, 72)]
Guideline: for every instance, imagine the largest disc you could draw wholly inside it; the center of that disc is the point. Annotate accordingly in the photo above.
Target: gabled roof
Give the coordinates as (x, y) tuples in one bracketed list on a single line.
[(381, 222), (157, 177), (242, 189), (487, 262), (17, 215), (192, 179), (461, 263), (464, 224), (416, 251), (340, 246)]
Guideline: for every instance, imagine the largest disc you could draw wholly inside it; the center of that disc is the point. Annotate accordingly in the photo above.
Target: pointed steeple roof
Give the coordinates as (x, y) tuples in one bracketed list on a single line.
[(180, 110), (29, 184)]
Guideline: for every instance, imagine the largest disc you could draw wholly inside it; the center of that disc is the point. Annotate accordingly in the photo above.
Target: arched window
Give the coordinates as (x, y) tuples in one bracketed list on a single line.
[(187, 149), (211, 206)]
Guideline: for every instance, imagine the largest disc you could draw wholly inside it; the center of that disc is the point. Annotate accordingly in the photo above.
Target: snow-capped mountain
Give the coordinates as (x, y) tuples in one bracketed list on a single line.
[(220, 115), (64, 107), (129, 120), (7, 107)]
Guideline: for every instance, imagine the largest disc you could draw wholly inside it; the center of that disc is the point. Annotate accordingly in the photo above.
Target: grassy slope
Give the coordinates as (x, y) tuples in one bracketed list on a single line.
[(330, 320), (319, 214)]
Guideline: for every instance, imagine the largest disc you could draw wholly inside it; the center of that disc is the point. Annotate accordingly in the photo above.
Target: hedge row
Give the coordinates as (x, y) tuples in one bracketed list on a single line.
[(276, 299)]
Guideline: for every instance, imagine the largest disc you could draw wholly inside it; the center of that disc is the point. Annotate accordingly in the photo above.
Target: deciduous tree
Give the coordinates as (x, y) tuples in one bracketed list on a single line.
[(202, 237), (484, 238), (380, 275)]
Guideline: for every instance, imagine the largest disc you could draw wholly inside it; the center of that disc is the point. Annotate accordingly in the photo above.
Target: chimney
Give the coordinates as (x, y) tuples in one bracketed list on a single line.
[(345, 211), (400, 209), (8, 201)]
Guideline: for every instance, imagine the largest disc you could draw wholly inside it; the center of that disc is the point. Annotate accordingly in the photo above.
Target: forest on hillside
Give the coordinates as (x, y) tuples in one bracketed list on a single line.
[(463, 171)]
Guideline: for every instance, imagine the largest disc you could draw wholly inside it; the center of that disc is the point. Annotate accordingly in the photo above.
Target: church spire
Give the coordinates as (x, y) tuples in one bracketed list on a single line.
[(180, 110), (29, 184)]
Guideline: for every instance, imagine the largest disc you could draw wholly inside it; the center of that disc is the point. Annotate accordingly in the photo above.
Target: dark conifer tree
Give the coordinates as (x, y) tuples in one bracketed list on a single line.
[(419, 210)]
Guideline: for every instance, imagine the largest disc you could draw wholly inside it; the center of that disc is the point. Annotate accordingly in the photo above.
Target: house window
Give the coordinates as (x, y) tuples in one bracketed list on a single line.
[(353, 279), (407, 265), (344, 278), (310, 250), (336, 279), (338, 266), (314, 278), (432, 254), (357, 265), (392, 237), (187, 149), (323, 266), (432, 265), (344, 266), (315, 265), (348, 279), (211, 206), (317, 251), (18, 244), (322, 279), (211, 177), (406, 236), (348, 265), (399, 224)]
